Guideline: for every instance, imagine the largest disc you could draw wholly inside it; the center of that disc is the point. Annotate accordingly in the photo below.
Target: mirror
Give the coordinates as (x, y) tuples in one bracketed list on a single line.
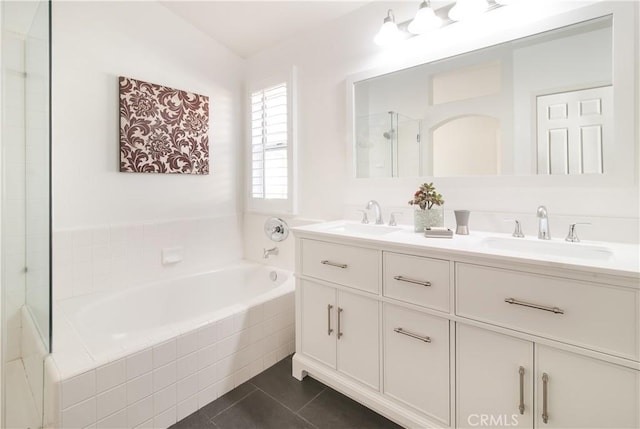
[(539, 105)]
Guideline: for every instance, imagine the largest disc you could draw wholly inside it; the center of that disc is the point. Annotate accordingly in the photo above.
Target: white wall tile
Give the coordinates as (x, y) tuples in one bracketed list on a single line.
[(164, 353), (140, 412), (111, 375), (78, 389), (207, 395), (186, 387), (208, 334), (111, 401), (207, 356), (187, 407), (186, 365), (117, 420), (208, 376), (165, 398), (186, 343), (139, 388), (225, 385), (165, 419), (145, 425), (80, 415), (164, 376), (139, 363), (226, 327)]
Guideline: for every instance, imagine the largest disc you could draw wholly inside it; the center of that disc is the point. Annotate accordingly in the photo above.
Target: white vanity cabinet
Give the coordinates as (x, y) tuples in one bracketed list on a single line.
[(340, 329), (432, 337)]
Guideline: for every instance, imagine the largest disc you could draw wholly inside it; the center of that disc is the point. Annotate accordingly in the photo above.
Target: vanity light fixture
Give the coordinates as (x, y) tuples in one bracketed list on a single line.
[(389, 32), (425, 19)]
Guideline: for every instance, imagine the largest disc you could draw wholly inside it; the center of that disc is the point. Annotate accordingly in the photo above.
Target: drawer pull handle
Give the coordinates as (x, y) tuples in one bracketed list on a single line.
[(412, 335), (545, 413), (521, 406), (333, 264), (408, 280), (554, 310), (329, 330), (340, 310)]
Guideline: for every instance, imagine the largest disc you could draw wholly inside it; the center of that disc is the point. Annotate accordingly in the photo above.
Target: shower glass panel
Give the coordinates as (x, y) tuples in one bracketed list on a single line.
[(388, 145), (25, 298)]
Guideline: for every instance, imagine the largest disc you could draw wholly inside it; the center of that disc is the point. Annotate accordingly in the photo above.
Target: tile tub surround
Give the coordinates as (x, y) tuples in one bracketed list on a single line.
[(108, 257), (160, 384)]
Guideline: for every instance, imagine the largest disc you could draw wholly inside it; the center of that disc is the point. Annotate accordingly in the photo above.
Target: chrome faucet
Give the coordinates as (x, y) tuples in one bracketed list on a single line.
[(269, 252), (373, 204), (543, 224)]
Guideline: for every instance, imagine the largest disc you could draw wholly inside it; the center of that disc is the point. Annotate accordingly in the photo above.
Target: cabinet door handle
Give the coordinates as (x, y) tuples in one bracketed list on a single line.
[(554, 310), (412, 335), (340, 310), (329, 330), (521, 406), (545, 413), (414, 281), (333, 264)]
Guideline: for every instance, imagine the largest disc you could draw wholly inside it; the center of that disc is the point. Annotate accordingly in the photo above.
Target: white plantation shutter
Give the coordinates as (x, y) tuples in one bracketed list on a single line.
[(271, 158), (270, 143)]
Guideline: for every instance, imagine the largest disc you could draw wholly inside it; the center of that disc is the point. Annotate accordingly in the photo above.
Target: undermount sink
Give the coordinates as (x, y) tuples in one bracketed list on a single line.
[(360, 228), (549, 248)]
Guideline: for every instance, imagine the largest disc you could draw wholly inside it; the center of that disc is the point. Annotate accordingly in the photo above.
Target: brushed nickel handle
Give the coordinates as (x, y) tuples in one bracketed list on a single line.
[(545, 413), (554, 310), (340, 310), (414, 281), (412, 335), (329, 330), (521, 406), (333, 264)]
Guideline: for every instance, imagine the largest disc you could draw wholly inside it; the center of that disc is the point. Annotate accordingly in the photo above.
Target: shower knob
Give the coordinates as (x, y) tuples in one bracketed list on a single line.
[(276, 229)]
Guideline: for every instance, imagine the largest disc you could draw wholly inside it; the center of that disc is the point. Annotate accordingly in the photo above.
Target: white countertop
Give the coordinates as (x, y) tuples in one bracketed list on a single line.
[(623, 261)]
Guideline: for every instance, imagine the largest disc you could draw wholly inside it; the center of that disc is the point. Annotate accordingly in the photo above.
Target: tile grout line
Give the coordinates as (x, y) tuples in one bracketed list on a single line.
[(232, 405), (289, 409), (312, 399)]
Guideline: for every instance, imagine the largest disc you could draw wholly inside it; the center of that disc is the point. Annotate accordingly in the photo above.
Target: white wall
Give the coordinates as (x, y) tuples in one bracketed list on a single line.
[(109, 225), (326, 56)]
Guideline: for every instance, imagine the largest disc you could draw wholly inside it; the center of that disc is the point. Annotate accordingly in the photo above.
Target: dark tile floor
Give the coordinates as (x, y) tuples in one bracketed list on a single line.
[(276, 400)]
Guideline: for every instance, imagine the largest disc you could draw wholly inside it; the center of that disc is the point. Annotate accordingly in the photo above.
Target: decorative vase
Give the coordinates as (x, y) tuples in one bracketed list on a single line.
[(433, 217)]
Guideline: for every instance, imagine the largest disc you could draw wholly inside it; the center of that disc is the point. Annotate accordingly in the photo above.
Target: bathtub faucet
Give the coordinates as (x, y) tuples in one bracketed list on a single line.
[(269, 252)]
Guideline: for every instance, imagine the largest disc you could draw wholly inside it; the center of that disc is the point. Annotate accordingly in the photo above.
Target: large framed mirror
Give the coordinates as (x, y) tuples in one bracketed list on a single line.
[(548, 103)]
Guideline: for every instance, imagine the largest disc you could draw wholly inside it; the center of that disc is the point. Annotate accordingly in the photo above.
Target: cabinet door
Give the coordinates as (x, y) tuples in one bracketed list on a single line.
[(358, 338), (416, 361), (582, 392), (319, 322), (489, 383)]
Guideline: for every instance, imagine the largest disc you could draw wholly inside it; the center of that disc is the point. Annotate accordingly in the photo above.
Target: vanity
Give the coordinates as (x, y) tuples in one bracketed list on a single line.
[(478, 330)]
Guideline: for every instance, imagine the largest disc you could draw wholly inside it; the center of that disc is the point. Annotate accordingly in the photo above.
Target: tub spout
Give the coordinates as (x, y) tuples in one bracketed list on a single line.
[(269, 252)]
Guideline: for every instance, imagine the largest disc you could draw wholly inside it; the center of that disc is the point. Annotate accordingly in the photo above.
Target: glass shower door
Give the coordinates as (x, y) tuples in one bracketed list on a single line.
[(25, 299)]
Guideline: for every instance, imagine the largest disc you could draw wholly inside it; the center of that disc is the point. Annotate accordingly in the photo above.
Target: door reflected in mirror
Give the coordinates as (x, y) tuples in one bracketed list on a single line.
[(537, 105)]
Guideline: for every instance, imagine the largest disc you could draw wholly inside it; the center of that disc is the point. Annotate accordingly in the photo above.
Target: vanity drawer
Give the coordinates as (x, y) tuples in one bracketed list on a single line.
[(416, 280), (356, 267), (586, 314), (416, 360)]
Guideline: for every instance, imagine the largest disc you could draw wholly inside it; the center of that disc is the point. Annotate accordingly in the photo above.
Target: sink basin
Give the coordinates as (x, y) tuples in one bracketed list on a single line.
[(548, 248), (365, 229)]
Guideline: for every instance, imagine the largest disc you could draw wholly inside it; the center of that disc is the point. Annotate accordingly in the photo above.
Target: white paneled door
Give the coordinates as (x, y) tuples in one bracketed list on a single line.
[(573, 131)]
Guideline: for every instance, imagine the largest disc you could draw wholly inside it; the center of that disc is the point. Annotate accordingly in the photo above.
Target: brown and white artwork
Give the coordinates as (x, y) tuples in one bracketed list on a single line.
[(162, 129)]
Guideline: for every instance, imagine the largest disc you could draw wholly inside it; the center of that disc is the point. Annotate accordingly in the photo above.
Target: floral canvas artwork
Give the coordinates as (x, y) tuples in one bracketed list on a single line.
[(162, 129)]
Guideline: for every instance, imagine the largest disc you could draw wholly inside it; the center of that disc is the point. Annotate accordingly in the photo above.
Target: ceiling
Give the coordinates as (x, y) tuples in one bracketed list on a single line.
[(247, 27)]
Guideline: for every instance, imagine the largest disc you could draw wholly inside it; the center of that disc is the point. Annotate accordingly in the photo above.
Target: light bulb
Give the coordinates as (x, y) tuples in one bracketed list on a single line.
[(464, 9), (389, 32), (425, 20)]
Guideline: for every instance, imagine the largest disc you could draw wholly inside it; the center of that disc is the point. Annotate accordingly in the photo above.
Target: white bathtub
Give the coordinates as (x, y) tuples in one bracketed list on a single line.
[(200, 335)]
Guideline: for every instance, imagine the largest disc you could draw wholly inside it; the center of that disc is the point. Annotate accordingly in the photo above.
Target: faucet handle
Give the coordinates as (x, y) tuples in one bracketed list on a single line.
[(572, 237), (392, 218), (517, 232), (365, 219)]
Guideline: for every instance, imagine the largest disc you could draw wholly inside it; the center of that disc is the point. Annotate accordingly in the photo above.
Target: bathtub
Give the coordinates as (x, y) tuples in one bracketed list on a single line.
[(153, 354)]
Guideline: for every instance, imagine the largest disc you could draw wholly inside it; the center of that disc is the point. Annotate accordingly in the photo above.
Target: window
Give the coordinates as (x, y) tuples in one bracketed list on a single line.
[(271, 144)]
